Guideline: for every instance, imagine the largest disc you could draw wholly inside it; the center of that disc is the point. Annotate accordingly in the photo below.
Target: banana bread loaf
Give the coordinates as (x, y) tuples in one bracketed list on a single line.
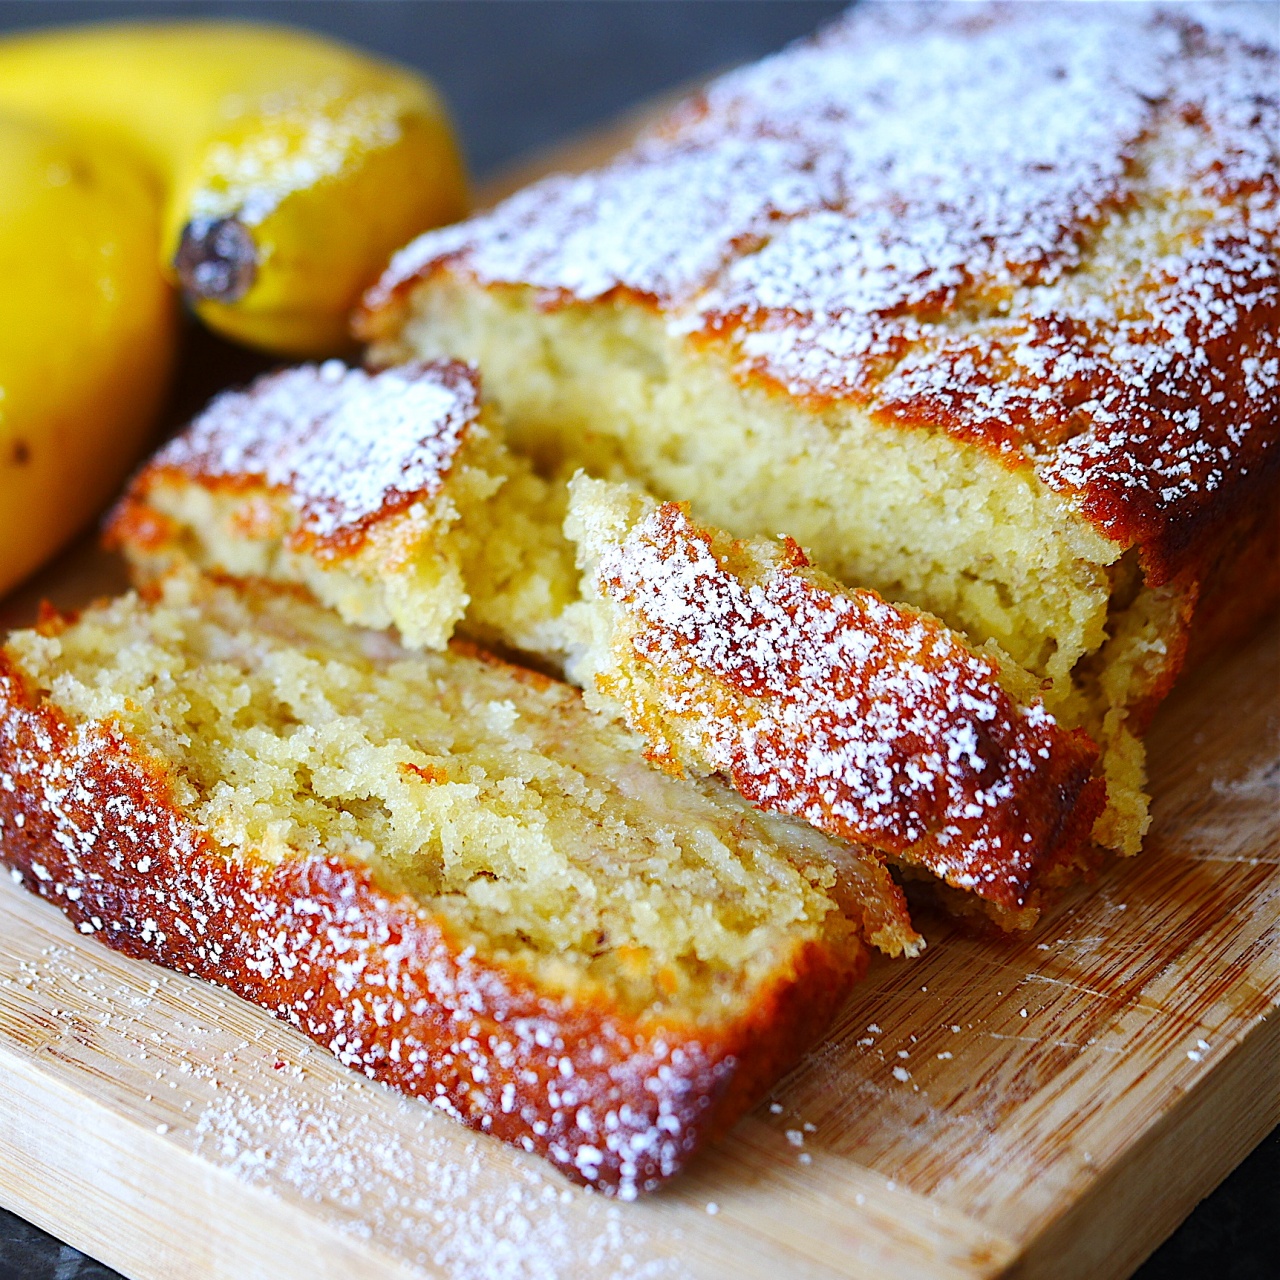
[(979, 303)]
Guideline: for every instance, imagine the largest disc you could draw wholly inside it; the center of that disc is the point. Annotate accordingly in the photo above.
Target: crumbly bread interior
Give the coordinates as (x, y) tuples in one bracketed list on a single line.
[(492, 795), (485, 552), (909, 513)]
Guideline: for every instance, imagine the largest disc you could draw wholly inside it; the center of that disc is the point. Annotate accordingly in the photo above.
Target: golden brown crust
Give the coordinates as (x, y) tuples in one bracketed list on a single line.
[(1182, 448), (872, 721), (1049, 232), (620, 1103)]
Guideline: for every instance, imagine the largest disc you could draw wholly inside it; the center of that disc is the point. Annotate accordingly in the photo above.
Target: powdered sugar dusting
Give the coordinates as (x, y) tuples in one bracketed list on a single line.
[(1149, 415), (869, 720), (384, 1170), (660, 243), (877, 114), (345, 445)]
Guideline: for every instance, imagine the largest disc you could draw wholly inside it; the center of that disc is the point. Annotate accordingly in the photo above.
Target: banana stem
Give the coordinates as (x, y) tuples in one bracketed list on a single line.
[(217, 259)]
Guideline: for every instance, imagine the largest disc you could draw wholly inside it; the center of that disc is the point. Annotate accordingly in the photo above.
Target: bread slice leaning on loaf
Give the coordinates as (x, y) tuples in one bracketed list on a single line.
[(979, 303), (873, 721), (928, 752), (445, 869)]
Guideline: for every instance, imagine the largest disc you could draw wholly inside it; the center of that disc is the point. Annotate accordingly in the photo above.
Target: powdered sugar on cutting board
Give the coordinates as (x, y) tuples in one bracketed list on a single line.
[(401, 1176), (278, 1114)]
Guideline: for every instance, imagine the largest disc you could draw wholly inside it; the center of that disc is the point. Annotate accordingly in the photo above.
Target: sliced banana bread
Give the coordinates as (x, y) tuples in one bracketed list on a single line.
[(391, 497), (874, 721), (1032, 794), (980, 303), (445, 869)]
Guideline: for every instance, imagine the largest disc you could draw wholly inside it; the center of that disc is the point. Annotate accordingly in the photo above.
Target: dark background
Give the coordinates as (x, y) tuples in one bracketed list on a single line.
[(521, 75)]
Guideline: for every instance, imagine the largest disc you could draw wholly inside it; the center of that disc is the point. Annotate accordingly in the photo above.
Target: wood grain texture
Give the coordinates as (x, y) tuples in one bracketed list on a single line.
[(1047, 1107)]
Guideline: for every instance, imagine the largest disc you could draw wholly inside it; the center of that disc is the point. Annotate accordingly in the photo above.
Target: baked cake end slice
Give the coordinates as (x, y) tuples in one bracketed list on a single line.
[(390, 496), (871, 720)]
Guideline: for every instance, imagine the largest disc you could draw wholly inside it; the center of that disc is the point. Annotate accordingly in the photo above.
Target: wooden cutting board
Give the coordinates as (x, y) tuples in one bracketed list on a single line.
[(1050, 1106)]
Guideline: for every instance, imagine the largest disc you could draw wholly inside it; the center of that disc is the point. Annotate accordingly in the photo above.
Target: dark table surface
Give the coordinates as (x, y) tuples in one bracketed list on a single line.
[(521, 75)]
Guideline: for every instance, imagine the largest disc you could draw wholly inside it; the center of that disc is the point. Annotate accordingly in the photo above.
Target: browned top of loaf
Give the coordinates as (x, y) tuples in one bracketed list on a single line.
[(871, 720), (621, 1103), (1048, 230), (344, 447)]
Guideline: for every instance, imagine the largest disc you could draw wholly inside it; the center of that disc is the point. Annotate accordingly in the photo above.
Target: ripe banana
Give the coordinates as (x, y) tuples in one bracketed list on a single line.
[(87, 334), (289, 167)]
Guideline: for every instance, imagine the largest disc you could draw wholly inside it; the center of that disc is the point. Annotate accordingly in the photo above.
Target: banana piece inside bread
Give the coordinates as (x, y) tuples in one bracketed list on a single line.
[(873, 721), (446, 869)]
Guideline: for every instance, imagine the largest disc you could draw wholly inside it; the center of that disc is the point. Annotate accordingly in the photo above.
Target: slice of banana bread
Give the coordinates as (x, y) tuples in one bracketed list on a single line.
[(391, 497), (873, 721), (980, 303), (445, 869)]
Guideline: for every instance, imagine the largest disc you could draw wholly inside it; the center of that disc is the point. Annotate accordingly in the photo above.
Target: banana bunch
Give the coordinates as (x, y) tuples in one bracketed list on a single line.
[(267, 174)]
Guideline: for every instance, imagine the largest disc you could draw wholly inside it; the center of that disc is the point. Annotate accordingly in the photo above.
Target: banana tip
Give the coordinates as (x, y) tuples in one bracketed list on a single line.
[(216, 260)]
